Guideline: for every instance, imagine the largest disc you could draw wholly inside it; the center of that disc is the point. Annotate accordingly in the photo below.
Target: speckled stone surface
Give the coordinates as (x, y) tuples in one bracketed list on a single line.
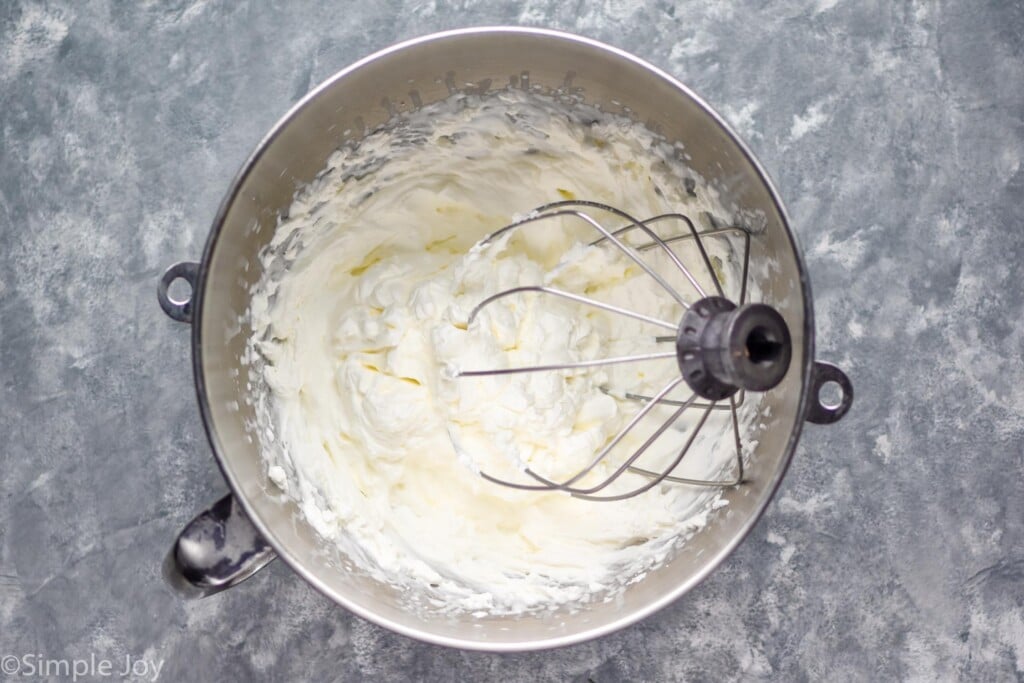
[(895, 548)]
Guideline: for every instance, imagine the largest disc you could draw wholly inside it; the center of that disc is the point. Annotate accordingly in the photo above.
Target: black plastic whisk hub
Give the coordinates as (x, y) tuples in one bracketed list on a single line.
[(722, 349)]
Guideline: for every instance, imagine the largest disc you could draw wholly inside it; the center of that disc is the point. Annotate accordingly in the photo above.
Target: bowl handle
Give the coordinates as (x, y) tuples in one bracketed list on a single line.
[(179, 309), (818, 410), (217, 550)]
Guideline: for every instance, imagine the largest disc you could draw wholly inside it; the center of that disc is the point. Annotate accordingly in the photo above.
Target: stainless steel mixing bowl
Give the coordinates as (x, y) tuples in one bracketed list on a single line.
[(246, 530)]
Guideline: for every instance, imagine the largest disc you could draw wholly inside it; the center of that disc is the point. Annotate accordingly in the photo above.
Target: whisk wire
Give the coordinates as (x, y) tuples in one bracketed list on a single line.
[(588, 492), (738, 479), (693, 233), (743, 232), (575, 365), (567, 295), (566, 485), (671, 402), (666, 473), (555, 209)]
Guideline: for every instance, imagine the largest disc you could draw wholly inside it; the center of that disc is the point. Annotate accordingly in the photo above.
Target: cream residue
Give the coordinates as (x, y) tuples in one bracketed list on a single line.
[(360, 319)]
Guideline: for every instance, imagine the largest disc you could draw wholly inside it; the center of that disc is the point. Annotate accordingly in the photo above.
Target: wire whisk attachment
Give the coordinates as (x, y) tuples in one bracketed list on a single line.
[(722, 348)]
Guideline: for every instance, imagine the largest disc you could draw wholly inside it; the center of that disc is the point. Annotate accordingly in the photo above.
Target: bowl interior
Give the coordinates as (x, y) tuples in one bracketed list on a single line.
[(367, 95)]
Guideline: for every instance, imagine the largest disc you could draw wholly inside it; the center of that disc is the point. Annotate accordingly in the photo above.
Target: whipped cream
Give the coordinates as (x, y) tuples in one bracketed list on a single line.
[(360, 325)]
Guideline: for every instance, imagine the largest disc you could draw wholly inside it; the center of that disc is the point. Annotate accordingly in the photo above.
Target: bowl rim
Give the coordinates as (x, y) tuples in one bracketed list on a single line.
[(556, 641)]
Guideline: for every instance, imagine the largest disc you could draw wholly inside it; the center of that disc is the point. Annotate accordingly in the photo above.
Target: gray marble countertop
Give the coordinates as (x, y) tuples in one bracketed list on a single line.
[(895, 548)]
